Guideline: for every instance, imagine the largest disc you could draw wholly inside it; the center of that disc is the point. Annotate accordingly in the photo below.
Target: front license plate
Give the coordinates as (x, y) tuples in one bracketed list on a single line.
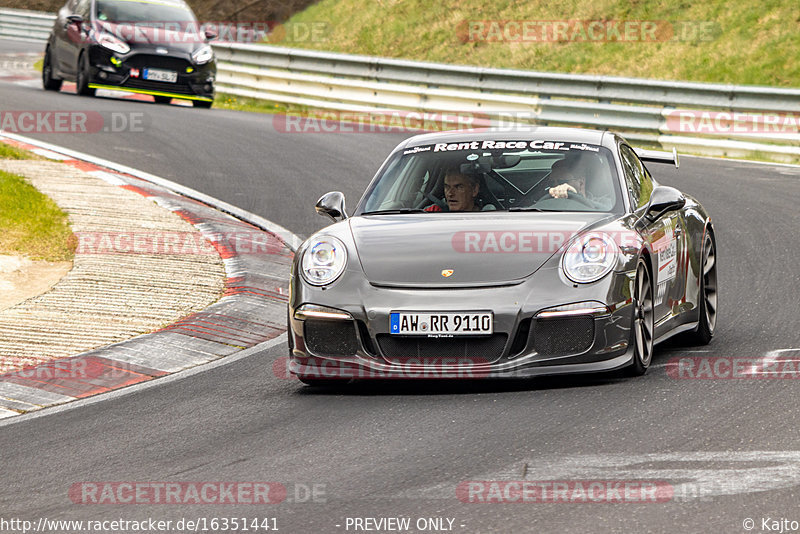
[(159, 75), (447, 323)]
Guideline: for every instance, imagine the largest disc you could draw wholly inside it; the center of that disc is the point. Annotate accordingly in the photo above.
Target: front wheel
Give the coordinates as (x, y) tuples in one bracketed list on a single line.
[(642, 321), (49, 82), (82, 81)]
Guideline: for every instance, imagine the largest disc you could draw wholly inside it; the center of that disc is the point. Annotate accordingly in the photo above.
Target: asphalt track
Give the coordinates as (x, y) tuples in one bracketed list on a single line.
[(729, 448)]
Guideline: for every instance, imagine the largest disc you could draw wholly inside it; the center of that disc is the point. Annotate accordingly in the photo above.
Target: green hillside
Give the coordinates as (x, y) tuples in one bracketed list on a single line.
[(732, 42)]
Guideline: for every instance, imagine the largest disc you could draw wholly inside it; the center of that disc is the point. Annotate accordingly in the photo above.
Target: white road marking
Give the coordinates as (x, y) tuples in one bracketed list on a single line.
[(693, 475), (107, 177), (770, 359), (50, 155), (7, 413)]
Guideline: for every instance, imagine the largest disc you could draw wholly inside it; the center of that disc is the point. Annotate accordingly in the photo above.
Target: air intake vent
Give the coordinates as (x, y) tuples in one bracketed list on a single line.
[(331, 338), (558, 337)]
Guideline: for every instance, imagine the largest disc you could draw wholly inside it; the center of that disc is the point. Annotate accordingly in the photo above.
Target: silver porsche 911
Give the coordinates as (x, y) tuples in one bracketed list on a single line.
[(503, 255)]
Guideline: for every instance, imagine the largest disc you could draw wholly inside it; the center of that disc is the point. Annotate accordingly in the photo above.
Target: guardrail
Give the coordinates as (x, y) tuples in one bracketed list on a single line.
[(643, 110), (23, 25), (733, 120)]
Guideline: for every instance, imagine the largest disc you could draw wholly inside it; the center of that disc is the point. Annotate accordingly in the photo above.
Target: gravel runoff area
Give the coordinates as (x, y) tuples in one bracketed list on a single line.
[(108, 296)]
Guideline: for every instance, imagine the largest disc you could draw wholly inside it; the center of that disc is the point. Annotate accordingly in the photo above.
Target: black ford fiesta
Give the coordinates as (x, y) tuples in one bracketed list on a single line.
[(152, 47)]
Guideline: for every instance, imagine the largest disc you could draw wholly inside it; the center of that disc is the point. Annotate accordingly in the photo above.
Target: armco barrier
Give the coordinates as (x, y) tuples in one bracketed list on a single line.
[(31, 26), (643, 110)]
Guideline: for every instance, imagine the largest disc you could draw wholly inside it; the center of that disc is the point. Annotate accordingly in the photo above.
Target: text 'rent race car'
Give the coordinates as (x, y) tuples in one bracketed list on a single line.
[(503, 255)]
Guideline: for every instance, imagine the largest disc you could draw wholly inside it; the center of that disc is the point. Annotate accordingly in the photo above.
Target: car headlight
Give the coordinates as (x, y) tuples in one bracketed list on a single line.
[(589, 258), (113, 43), (323, 260), (202, 55)]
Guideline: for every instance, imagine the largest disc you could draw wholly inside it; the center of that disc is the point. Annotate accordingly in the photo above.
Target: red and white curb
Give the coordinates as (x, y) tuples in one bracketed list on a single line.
[(251, 313)]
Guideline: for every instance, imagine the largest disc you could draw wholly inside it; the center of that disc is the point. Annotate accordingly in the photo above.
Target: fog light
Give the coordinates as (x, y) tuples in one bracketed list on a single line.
[(116, 62), (207, 88)]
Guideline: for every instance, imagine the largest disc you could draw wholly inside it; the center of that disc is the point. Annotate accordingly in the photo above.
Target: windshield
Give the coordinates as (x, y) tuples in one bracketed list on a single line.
[(154, 12), (497, 176)]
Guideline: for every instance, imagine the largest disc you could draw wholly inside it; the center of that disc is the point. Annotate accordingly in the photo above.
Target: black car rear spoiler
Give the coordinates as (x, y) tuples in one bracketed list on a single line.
[(657, 156)]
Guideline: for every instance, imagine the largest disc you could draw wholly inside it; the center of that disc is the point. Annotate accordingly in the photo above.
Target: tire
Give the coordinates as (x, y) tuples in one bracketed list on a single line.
[(49, 82), (82, 77), (162, 99), (202, 104), (642, 327), (707, 295)]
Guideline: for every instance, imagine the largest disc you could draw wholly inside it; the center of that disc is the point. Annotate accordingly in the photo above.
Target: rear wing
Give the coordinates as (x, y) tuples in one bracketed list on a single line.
[(657, 156)]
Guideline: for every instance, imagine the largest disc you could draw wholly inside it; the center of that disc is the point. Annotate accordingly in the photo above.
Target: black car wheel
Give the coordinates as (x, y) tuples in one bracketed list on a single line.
[(642, 335), (48, 81), (82, 81), (707, 298)]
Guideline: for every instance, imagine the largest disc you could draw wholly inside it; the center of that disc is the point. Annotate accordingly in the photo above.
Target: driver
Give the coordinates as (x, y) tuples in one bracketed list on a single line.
[(460, 191)]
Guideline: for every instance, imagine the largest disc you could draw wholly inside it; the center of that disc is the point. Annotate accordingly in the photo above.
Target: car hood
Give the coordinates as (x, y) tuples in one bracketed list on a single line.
[(482, 249)]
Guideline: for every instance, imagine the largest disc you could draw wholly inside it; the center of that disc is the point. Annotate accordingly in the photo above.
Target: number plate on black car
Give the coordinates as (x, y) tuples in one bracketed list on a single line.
[(450, 323), (159, 75)]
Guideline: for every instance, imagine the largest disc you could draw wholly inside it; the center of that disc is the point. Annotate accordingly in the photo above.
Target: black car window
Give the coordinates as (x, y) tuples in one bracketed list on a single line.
[(143, 12), (638, 180)]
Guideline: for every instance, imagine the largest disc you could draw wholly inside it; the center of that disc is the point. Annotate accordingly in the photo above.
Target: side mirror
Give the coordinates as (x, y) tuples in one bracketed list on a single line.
[(332, 205), (662, 200)]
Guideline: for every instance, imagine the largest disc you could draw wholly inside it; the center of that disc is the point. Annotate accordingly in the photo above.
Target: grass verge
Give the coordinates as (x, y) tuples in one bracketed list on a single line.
[(31, 224), (748, 42), (253, 105), (12, 152)]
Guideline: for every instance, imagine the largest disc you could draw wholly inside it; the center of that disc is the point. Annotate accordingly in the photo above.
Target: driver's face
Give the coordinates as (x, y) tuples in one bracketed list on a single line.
[(459, 192)]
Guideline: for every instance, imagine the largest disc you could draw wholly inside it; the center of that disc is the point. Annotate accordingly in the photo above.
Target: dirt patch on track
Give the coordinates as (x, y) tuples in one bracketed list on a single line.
[(21, 278)]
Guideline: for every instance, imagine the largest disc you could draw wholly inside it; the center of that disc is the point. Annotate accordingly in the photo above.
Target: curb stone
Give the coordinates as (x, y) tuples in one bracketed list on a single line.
[(251, 311)]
